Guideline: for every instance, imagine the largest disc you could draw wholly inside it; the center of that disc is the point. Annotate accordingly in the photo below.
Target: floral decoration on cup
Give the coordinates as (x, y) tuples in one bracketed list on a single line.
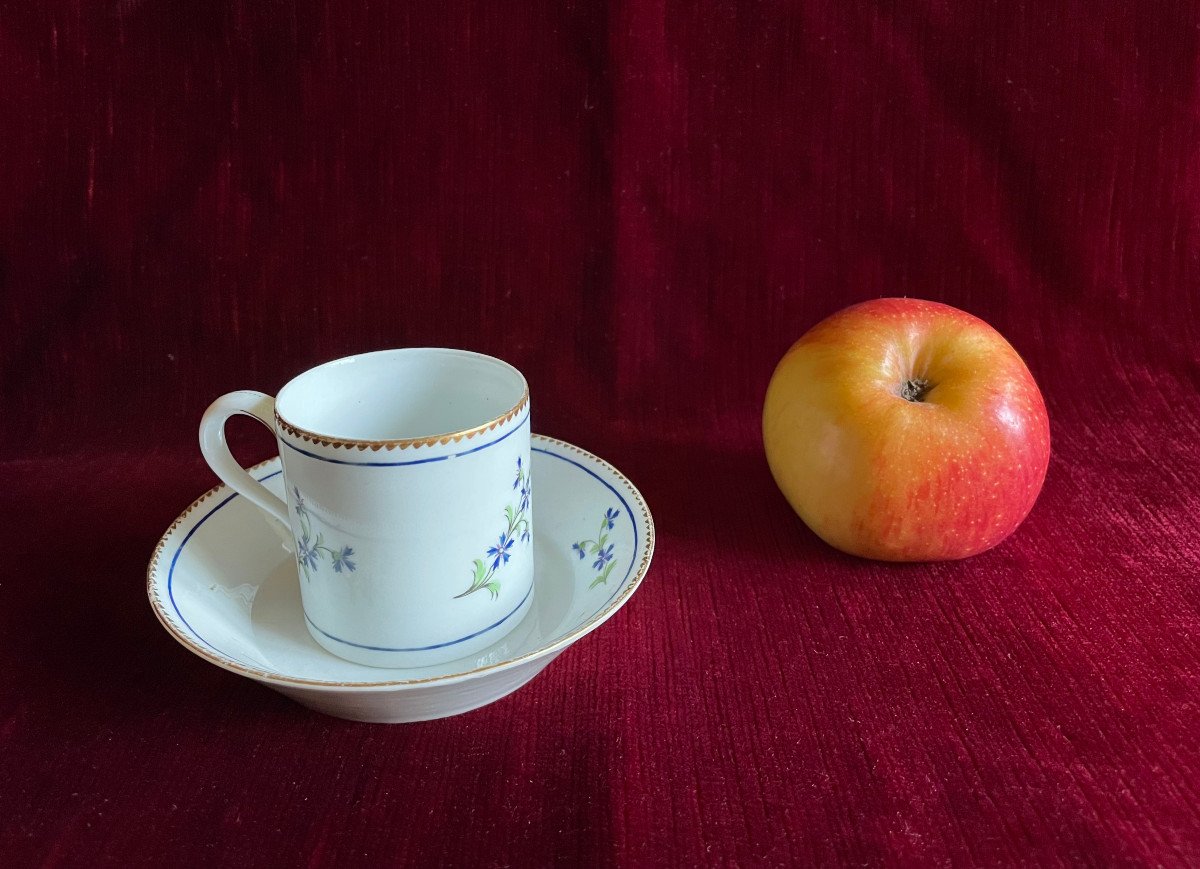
[(311, 550), (484, 569)]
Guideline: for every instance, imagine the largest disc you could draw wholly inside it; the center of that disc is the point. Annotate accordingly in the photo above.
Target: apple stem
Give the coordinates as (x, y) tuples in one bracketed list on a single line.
[(915, 389)]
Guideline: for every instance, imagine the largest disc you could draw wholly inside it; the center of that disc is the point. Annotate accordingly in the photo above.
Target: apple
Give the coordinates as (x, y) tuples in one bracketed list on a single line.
[(906, 430)]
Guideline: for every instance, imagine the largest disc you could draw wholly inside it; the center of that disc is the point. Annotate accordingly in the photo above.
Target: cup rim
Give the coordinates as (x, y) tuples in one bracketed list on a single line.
[(286, 426)]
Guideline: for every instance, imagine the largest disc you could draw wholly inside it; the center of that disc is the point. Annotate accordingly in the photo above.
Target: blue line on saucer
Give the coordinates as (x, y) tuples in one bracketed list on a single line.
[(321, 458), (423, 648)]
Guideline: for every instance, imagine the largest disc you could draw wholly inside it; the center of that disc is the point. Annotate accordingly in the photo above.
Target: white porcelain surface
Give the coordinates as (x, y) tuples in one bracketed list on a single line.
[(408, 498), (225, 587)]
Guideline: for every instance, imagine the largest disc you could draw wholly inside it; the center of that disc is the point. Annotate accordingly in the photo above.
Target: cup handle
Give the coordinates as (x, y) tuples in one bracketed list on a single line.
[(224, 465)]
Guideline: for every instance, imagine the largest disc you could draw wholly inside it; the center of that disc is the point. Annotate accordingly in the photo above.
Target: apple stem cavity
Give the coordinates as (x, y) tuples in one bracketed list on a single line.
[(915, 389)]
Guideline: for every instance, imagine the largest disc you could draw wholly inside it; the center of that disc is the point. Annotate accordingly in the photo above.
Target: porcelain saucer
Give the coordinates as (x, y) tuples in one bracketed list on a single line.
[(223, 584)]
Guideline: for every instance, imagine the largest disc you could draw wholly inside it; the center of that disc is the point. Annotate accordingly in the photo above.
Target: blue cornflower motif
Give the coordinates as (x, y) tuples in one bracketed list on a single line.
[(342, 559), (525, 536), (610, 516), (524, 505), (501, 551), (603, 556), (306, 553), (301, 510), (579, 547)]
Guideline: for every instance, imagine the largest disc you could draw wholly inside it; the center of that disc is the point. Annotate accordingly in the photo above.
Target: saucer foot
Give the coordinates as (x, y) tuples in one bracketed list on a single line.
[(416, 703)]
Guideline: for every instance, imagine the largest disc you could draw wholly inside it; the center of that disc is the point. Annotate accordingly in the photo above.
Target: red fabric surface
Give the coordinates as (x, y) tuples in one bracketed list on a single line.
[(641, 205)]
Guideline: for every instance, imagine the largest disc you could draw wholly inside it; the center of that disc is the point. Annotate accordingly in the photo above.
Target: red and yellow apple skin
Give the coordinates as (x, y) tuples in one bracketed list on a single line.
[(906, 430)]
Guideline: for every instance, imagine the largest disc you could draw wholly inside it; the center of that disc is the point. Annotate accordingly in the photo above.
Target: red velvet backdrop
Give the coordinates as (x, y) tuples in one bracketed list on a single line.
[(641, 204)]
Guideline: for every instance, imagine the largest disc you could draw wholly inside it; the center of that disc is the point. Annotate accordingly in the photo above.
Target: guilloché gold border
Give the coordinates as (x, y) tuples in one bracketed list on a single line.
[(647, 552), (403, 443)]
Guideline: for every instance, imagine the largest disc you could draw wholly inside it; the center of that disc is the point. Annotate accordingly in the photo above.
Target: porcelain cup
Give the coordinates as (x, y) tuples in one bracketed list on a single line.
[(409, 499)]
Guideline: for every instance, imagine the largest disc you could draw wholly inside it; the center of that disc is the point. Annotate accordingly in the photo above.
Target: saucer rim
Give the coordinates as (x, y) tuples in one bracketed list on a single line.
[(550, 649)]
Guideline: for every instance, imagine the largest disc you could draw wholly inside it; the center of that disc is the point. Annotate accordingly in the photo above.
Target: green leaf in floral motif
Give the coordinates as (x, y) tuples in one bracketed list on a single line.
[(602, 579)]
